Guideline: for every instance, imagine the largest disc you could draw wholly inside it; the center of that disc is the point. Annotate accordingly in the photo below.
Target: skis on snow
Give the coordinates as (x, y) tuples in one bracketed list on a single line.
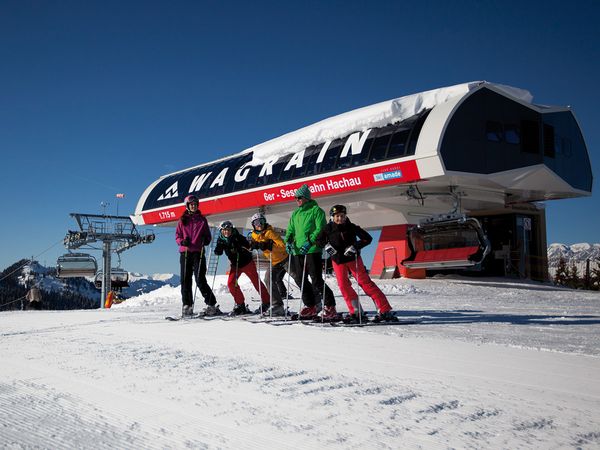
[(176, 319), (340, 323)]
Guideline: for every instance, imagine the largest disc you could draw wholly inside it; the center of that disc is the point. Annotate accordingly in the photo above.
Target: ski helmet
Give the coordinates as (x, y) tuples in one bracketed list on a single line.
[(190, 199), (337, 209), (258, 219), (226, 225)]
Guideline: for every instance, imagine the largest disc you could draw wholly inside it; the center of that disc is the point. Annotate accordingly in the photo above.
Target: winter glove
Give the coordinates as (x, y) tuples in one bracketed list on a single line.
[(289, 247), (350, 251), (305, 248), (330, 250), (254, 245), (185, 242), (267, 245)]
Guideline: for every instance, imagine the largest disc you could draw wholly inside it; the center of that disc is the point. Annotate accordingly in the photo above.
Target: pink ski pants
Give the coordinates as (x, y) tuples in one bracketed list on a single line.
[(364, 281), (250, 271)]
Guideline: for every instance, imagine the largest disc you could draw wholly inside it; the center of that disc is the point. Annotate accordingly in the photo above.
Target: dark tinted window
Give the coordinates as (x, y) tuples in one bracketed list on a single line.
[(216, 189), (381, 143), (512, 134), (251, 178), (493, 131), (331, 156), (363, 157), (276, 169), (549, 149), (415, 132), (310, 159), (398, 143), (285, 175), (530, 137)]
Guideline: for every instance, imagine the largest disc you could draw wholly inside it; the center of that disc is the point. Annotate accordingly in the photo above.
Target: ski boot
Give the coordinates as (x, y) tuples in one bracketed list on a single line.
[(263, 309), (212, 310), (308, 313), (240, 309), (387, 316), (329, 314), (355, 318), (187, 311)]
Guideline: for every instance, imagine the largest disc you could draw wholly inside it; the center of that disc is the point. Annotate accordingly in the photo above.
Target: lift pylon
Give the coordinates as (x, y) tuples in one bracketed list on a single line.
[(116, 233)]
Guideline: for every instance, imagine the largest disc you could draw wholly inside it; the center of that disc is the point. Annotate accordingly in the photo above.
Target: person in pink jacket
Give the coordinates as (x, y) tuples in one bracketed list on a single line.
[(192, 234)]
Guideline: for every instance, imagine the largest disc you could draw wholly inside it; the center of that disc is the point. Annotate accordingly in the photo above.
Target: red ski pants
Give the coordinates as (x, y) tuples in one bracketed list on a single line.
[(250, 271), (364, 281)]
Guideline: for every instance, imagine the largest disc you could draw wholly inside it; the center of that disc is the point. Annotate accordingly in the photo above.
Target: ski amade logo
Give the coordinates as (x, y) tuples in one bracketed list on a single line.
[(387, 175)]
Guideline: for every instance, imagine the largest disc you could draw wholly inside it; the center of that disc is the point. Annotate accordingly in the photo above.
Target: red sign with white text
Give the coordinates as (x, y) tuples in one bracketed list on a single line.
[(325, 185)]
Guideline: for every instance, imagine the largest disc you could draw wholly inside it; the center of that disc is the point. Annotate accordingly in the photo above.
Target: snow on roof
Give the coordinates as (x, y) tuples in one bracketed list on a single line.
[(373, 116)]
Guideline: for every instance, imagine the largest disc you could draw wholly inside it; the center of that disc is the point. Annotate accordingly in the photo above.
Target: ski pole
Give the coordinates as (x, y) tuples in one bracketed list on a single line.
[(237, 260), (196, 275), (302, 284), (212, 288), (357, 289), (184, 281), (287, 295), (259, 281), (324, 287), (271, 283)]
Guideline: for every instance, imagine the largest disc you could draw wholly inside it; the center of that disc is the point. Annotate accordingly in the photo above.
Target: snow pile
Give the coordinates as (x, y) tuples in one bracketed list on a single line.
[(372, 116), (165, 295)]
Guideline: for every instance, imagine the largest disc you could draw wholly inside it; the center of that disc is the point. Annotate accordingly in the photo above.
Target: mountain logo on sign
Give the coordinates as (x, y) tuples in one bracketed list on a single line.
[(171, 192)]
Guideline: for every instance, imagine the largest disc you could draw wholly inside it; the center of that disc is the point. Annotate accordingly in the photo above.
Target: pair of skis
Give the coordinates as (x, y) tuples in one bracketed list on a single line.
[(291, 320)]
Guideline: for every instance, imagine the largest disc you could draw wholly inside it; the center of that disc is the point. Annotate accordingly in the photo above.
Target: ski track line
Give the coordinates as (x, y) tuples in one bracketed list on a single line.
[(330, 383), (305, 381), (492, 368), (130, 406)]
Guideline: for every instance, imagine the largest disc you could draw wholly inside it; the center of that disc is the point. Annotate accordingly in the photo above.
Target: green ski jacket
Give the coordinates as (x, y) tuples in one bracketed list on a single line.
[(305, 224)]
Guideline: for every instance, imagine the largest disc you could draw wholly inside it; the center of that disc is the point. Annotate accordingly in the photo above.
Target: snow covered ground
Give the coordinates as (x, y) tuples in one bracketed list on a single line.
[(495, 364)]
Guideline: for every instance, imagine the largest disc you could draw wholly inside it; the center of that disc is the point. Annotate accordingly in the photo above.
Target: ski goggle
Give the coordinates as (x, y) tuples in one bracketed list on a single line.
[(259, 222)]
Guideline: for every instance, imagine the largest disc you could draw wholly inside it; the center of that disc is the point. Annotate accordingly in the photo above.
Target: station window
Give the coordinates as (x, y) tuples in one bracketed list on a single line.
[(252, 178), (530, 136), (310, 160), (549, 141), (398, 143), (416, 131), (381, 143), (512, 134), (285, 175), (494, 131), (331, 156)]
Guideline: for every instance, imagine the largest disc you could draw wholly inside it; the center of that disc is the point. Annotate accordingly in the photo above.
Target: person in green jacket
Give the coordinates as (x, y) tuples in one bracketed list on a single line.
[(304, 226)]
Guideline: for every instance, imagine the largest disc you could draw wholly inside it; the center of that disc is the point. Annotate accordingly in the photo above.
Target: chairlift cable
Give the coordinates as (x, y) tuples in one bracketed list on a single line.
[(14, 301)]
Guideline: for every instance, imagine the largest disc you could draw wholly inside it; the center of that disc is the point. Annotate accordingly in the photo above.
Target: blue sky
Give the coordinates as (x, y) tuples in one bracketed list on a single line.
[(99, 98)]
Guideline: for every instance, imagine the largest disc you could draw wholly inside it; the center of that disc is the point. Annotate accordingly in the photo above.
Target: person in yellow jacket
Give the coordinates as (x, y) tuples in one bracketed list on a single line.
[(265, 238)]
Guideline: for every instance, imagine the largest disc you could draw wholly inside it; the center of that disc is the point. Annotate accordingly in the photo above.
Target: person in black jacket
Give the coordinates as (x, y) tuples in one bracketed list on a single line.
[(237, 249), (343, 240)]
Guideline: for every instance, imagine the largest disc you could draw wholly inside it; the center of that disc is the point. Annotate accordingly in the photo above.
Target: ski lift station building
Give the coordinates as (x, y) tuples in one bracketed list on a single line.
[(454, 178)]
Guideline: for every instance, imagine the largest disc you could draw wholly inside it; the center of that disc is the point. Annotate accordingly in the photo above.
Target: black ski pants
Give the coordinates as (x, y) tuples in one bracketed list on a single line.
[(313, 289), (278, 272), (194, 264)]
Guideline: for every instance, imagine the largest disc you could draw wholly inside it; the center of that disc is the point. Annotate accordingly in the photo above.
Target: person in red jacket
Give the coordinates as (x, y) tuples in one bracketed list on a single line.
[(343, 240), (192, 234)]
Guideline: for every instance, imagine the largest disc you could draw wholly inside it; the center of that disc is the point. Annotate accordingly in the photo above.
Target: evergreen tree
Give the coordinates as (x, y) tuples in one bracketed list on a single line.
[(561, 276), (573, 279), (595, 275)]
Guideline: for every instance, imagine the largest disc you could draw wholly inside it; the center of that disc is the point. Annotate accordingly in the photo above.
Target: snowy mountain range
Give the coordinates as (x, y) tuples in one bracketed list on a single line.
[(46, 279), (579, 253)]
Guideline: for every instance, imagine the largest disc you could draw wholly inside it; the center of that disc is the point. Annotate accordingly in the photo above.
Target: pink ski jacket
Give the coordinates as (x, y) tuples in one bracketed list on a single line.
[(195, 228)]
